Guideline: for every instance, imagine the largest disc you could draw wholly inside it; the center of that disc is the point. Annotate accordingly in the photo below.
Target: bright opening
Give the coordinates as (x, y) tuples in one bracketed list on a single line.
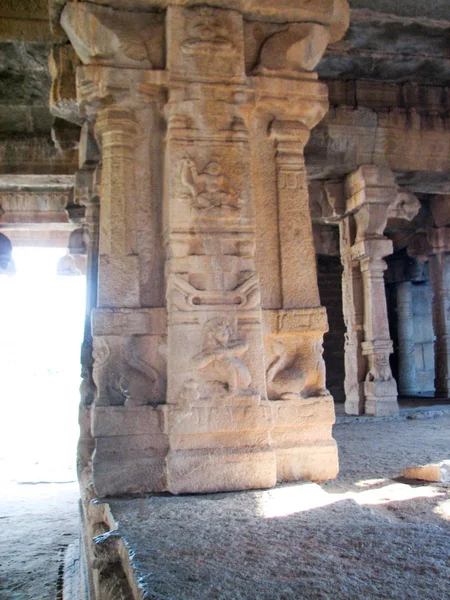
[(42, 329)]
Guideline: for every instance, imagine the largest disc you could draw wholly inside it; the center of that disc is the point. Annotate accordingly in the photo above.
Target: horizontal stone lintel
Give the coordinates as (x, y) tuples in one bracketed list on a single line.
[(129, 321), (304, 320)]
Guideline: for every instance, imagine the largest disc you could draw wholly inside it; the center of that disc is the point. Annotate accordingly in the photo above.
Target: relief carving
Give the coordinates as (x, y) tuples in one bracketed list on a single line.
[(296, 371), (185, 297), (218, 359), (207, 34), (123, 375), (208, 190), (299, 47), (380, 369)]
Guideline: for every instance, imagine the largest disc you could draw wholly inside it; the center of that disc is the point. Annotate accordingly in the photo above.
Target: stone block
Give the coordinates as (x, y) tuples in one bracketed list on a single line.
[(302, 320), (233, 439), (439, 472), (316, 462), (130, 464), (112, 421), (428, 356), (418, 357), (118, 282), (302, 413), (112, 478), (220, 470), (219, 419), (123, 321), (302, 428), (425, 381)]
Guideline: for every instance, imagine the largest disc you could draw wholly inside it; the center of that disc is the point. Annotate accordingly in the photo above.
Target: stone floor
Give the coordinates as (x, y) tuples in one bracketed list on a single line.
[(366, 535), (38, 522)]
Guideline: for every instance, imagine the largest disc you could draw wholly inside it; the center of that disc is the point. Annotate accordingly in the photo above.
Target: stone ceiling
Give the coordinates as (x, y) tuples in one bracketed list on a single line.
[(401, 41)]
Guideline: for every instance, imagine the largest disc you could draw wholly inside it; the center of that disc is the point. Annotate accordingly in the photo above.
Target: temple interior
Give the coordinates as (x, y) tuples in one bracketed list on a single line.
[(258, 194)]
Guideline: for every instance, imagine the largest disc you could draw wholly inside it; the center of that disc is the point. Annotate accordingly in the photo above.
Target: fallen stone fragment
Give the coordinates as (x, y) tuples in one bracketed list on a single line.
[(434, 472)]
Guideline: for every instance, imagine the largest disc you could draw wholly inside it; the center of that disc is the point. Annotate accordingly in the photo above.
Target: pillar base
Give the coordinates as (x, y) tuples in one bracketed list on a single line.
[(130, 449), (381, 398), (354, 402), (220, 470), (220, 446), (302, 439)]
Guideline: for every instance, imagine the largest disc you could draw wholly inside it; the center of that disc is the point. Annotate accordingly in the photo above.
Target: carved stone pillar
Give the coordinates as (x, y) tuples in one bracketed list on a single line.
[(440, 281), (407, 381), (295, 370), (370, 191), (217, 429), (219, 419), (128, 327), (353, 309)]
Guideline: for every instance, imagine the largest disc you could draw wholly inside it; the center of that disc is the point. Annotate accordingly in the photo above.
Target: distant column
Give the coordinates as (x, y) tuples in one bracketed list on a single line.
[(407, 381), (371, 190)]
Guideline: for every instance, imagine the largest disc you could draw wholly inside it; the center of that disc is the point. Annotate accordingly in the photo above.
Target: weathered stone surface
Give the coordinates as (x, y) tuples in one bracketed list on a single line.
[(439, 472)]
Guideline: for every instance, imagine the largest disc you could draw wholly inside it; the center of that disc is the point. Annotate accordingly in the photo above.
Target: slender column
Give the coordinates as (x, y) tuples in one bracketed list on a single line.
[(440, 281), (353, 309), (118, 267), (371, 190), (298, 262), (407, 382)]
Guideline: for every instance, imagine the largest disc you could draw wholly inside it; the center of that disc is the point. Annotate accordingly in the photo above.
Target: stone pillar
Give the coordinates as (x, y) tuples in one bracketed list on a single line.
[(353, 309), (407, 382), (216, 430), (219, 419), (439, 240), (295, 370), (370, 191), (128, 326), (87, 194), (440, 281)]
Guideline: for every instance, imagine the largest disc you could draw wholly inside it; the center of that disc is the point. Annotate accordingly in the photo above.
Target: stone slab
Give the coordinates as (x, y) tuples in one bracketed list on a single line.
[(124, 476), (303, 413), (227, 418), (439, 472), (222, 470), (111, 421), (129, 321), (315, 462)]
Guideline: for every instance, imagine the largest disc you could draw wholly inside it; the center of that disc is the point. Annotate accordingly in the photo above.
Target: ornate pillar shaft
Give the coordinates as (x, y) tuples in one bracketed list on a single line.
[(407, 382), (440, 281), (294, 333), (216, 378), (119, 267), (298, 261), (353, 309), (371, 190), (217, 429)]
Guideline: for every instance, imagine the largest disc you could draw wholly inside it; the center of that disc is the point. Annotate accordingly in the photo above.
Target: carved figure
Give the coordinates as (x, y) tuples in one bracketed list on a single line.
[(209, 189), (219, 355), (380, 369), (123, 376), (295, 374), (207, 34)]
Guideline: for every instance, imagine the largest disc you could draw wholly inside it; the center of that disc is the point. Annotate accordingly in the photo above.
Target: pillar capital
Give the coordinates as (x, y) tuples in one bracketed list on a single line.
[(101, 87)]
